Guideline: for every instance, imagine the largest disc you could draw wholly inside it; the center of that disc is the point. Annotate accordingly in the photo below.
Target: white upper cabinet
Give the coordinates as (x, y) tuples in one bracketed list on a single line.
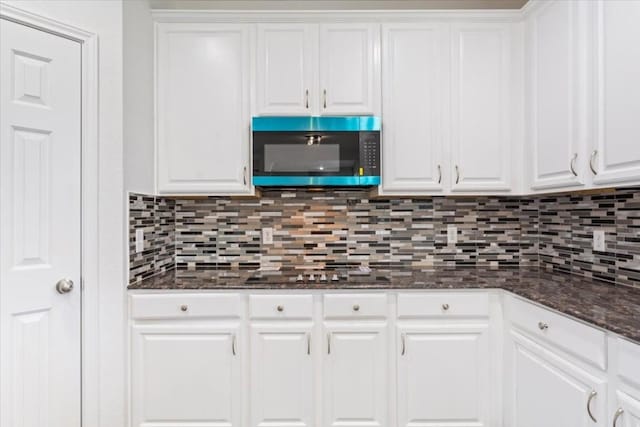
[(556, 136), (615, 158), (202, 141), (318, 69), (286, 69), (481, 138), (414, 90), (349, 64)]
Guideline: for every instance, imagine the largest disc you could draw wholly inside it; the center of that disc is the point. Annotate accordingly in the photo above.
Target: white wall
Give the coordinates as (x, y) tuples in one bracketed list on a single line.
[(138, 97), (104, 18)]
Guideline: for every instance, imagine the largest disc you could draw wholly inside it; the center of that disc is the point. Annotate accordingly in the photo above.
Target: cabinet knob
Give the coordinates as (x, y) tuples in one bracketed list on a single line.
[(356, 307), (184, 307), (280, 308), (543, 326), (445, 307)]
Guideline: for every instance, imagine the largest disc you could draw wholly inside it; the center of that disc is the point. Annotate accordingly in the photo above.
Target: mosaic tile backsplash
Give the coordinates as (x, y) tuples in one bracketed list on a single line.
[(340, 228)]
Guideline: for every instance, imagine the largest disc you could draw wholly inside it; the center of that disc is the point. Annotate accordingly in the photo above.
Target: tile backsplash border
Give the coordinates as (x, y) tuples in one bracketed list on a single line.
[(338, 228)]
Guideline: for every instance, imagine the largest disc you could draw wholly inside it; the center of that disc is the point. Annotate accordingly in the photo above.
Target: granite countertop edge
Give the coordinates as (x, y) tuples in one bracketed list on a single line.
[(597, 303)]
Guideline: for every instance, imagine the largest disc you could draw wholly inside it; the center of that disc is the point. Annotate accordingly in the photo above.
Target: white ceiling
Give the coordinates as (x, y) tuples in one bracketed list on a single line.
[(336, 4)]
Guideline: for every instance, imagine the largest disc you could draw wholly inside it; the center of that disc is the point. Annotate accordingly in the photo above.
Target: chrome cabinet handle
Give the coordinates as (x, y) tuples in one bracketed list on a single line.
[(233, 345), (457, 174), (308, 343), (591, 396), (445, 307), (573, 164), (403, 337), (324, 96), (618, 414), (184, 307), (306, 98), (439, 174), (280, 308), (329, 343), (543, 326), (593, 156), (64, 286), (244, 175), (356, 307)]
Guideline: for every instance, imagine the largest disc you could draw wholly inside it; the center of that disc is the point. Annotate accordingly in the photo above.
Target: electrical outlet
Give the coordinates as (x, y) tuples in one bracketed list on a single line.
[(598, 241), (139, 240), (267, 236), (452, 235)]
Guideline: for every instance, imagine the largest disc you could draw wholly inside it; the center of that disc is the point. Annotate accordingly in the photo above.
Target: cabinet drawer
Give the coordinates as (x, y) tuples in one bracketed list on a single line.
[(443, 304), (582, 341), (281, 306), (355, 306), (185, 306), (629, 362)]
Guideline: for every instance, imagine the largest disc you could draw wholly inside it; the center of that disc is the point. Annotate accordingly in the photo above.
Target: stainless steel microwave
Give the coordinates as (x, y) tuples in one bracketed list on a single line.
[(316, 151)]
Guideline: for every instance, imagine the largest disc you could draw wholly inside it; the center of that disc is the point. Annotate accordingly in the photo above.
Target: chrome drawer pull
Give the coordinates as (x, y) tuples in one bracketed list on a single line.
[(280, 308), (184, 307), (404, 344), (543, 326), (445, 307), (619, 413), (233, 345), (356, 307), (329, 343), (591, 396), (308, 343), (573, 164), (593, 156)]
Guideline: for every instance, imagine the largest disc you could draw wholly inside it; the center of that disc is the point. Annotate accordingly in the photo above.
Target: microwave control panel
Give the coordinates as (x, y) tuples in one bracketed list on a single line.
[(369, 154)]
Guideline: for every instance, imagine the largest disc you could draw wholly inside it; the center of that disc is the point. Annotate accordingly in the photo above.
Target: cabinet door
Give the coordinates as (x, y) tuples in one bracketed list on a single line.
[(203, 108), (443, 376), (186, 376), (550, 390), (349, 69), (556, 40), (413, 62), (629, 410), (355, 378), (616, 155), (480, 122), (281, 375), (286, 69)]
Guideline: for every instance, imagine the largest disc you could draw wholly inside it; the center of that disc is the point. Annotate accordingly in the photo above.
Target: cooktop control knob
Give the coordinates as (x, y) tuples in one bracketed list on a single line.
[(323, 277), (300, 278), (334, 278)]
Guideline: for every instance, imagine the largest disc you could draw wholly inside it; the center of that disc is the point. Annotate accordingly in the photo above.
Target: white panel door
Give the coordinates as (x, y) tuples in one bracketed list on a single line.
[(629, 410), (186, 376), (40, 157), (355, 375), (281, 375), (556, 43), (443, 376), (549, 390), (616, 155), (480, 107), (349, 69), (203, 119), (413, 96), (286, 70)]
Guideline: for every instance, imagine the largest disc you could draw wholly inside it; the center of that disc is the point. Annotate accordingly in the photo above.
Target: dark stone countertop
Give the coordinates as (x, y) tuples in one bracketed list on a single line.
[(614, 308)]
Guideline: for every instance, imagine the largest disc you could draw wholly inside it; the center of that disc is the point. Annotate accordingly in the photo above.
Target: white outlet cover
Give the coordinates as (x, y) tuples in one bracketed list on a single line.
[(452, 234), (598, 241), (139, 240), (267, 236)]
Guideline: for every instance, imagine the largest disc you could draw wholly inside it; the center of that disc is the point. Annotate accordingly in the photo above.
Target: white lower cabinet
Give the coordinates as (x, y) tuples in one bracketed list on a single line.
[(355, 375), (373, 359), (550, 390), (443, 376), (186, 375), (281, 375)]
